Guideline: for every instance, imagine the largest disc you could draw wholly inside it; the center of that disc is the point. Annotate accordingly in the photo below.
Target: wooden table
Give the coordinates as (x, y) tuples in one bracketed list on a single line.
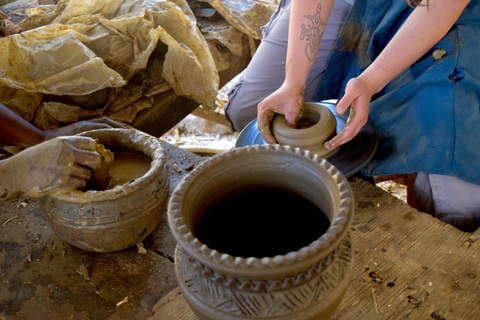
[(407, 265)]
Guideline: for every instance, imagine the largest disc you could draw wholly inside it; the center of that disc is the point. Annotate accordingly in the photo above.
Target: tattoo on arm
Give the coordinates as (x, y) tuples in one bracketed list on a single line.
[(312, 33)]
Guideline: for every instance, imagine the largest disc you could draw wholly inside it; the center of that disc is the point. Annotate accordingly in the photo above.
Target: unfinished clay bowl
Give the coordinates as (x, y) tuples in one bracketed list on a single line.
[(307, 282), (113, 219), (316, 125)]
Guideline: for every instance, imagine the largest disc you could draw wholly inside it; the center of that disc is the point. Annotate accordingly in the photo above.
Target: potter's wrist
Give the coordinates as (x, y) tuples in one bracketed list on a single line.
[(379, 73), (296, 87), (373, 80)]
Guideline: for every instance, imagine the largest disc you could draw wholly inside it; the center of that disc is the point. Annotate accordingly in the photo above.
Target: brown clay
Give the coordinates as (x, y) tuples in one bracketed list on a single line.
[(127, 167), (117, 218), (314, 277), (316, 125), (101, 177)]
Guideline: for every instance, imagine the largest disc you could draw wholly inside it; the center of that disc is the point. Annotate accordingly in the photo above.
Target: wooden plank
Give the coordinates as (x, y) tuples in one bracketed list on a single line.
[(173, 307), (415, 265), (407, 265), (216, 117)]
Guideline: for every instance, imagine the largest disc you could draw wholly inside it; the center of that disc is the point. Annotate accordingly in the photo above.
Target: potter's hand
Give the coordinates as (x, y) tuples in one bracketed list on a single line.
[(287, 101), (358, 94), (81, 126), (49, 167)]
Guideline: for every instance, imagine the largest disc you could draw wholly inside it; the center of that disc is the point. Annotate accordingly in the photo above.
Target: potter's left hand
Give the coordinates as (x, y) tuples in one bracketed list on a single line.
[(62, 163), (287, 100), (82, 126), (358, 94)]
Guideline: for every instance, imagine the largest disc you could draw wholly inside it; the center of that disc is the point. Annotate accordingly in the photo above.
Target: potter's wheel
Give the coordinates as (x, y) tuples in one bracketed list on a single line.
[(350, 157)]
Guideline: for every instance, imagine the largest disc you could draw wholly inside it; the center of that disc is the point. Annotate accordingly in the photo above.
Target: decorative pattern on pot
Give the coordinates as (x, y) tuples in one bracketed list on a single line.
[(305, 283), (113, 219), (248, 298)]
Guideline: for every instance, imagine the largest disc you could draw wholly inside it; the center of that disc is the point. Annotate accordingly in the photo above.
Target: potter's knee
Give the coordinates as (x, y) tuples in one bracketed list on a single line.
[(239, 115), (240, 109), (232, 115)]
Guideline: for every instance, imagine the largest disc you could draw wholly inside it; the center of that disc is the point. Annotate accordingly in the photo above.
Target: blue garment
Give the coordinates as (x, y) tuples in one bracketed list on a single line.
[(428, 118)]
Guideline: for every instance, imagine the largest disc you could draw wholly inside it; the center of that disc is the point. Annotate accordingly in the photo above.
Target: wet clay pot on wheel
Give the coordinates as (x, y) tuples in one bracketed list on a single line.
[(307, 282), (317, 125), (113, 219)]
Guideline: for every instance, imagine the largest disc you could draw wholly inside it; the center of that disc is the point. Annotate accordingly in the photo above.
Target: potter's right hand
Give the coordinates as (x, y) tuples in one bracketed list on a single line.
[(358, 94), (59, 164), (287, 100)]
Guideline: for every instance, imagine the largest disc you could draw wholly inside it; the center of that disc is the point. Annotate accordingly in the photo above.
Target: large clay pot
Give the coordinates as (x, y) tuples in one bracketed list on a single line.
[(307, 283), (114, 219), (316, 125)]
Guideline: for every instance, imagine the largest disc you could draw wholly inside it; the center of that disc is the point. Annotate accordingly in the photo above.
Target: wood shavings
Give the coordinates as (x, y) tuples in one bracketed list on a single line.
[(125, 300), (177, 168), (83, 270), (36, 238), (141, 248), (374, 300), (22, 204), (11, 219)]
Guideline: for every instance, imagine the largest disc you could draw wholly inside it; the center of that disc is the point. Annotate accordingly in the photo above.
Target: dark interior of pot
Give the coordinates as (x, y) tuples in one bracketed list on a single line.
[(309, 118), (262, 211), (261, 222)]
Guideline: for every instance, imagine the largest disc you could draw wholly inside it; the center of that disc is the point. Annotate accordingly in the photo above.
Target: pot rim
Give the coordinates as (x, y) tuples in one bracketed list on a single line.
[(214, 259), (294, 133), (153, 149)]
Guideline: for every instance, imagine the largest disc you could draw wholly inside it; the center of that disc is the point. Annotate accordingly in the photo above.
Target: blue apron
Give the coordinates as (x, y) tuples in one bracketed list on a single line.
[(428, 118)]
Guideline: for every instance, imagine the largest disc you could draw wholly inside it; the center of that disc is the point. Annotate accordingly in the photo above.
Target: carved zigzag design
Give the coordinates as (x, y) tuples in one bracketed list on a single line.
[(268, 302)]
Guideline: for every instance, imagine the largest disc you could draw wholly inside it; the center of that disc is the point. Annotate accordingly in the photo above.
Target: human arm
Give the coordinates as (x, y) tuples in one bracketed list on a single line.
[(307, 24), (85, 125), (14, 129), (58, 164), (425, 26)]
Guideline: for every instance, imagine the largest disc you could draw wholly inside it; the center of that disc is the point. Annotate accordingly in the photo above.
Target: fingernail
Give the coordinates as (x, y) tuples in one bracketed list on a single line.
[(327, 145)]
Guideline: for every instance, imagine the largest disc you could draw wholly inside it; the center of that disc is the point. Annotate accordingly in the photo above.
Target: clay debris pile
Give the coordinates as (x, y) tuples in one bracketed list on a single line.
[(91, 58)]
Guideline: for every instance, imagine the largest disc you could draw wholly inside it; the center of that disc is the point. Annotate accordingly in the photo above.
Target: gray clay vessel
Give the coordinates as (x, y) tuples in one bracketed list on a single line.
[(305, 284), (113, 219), (316, 125)]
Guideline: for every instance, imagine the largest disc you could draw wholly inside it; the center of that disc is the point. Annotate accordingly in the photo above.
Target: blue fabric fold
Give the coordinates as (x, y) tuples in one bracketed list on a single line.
[(428, 118)]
